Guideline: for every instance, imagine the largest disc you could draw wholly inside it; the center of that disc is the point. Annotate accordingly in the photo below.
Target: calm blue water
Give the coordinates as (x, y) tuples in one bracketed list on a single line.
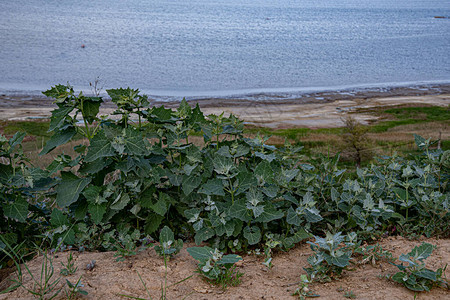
[(212, 48)]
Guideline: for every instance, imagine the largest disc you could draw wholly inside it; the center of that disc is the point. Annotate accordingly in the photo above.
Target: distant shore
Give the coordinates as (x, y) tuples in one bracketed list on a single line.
[(312, 110)]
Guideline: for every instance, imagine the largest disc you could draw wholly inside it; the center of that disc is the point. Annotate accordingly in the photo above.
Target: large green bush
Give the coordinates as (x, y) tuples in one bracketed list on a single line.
[(149, 167)]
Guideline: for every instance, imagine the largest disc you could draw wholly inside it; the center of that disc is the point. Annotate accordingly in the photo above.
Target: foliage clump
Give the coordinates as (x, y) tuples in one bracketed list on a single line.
[(146, 167), (415, 276), (215, 267)]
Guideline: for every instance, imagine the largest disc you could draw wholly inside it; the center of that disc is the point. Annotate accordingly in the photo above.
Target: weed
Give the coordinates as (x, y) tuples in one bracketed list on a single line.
[(303, 290), (68, 268), (74, 290), (329, 259), (168, 246), (215, 267), (373, 253), (416, 276), (350, 295)]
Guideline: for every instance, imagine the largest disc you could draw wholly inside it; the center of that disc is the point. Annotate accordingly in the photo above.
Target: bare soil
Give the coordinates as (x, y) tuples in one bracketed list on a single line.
[(315, 110), (110, 278)]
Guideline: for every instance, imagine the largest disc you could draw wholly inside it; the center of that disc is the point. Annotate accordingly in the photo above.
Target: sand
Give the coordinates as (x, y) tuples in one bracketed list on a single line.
[(314, 110), (110, 278)]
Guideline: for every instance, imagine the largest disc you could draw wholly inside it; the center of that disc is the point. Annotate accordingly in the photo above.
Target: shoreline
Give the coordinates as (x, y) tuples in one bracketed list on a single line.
[(312, 110)]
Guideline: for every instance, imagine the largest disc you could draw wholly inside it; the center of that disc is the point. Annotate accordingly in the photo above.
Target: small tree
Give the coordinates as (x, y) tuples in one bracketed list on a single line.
[(356, 142)]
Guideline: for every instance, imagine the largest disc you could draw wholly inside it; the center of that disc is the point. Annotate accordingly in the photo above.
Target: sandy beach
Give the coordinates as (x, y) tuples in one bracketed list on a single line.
[(313, 110)]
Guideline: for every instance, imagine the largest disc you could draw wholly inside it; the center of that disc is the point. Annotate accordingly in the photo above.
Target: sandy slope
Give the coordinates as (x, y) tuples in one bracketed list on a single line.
[(319, 110), (110, 278)]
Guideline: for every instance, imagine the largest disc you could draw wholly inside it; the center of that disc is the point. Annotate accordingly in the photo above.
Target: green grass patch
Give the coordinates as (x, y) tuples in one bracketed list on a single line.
[(35, 128), (432, 113), (412, 115)]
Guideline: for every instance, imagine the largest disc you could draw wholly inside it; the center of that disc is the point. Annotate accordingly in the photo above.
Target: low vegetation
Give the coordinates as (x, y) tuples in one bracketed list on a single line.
[(140, 176)]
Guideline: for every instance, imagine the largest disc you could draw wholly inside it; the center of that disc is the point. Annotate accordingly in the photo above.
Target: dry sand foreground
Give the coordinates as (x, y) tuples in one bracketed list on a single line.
[(110, 278), (318, 110)]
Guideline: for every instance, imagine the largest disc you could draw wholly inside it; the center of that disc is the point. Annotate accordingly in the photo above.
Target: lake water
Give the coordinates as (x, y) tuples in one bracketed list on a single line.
[(219, 48)]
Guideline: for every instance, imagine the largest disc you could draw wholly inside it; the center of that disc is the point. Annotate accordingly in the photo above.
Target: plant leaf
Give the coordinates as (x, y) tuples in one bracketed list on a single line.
[(239, 210), (203, 234), (97, 212), (100, 147), (166, 235), (18, 210), (229, 259), (200, 253), (252, 234), (69, 189), (59, 138), (214, 186), (190, 183)]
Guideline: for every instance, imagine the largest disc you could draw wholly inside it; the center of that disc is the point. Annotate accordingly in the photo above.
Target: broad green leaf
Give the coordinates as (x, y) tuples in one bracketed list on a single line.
[(58, 117), (57, 218), (201, 254), (184, 110), (197, 116), (254, 196), (312, 215), (194, 155), (152, 223), (160, 207), (246, 181), (16, 139), (264, 170), (189, 168), (241, 150), (100, 147), (426, 273), (70, 188), (135, 144), (334, 195), (292, 217), (90, 110), (97, 211), (120, 202), (192, 214), (299, 236), (257, 210), (270, 214), (290, 198), (229, 259), (214, 186), (224, 151), (203, 234), (91, 193), (267, 157), (420, 141), (288, 175), (59, 138), (58, 91), (239, 210), (340, 261), (227, 228), (95, 166), (252, 234), (18, 210), (6, 173), (166, 235), (399, 276), (223, 165), (161, 114), (271, 190), (190, 183), (421, 252)]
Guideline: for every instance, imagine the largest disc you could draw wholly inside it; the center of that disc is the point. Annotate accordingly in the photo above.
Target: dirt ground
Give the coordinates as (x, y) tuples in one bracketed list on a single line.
[(110, 278), (315, 110)]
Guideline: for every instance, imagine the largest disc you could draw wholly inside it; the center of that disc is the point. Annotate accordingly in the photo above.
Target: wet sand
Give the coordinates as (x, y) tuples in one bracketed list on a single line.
[(313, 110)]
